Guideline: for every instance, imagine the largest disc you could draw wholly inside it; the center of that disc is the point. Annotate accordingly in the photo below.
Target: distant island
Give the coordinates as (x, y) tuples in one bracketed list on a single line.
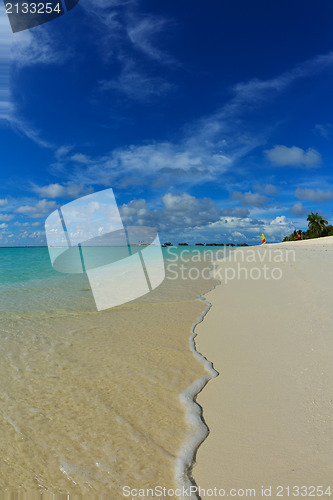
[(169, 244)]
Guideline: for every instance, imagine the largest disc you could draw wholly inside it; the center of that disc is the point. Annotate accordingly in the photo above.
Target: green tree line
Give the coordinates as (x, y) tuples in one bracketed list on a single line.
[(318, 227)]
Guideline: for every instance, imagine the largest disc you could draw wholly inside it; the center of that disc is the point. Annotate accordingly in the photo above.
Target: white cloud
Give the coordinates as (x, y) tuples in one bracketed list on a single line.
[(282, 156), (6, 36), (21, 224), (39, 209), (280, 220), (132, 38), (240, 212), (323, 129), (62, 152), (237, 235), (135, 84), (250, 198), (267, 189), (186, 210), (23, 49), (210, 146), (37, 46), (256, 91), (142, 33), (315, 195), (27, 48), (177, 163), (180, 213), (24, 127), (6, 217), (224, 230), (298, 209), (3, 202), (67, 190), (277, 229), (3, 225), (78, 157)]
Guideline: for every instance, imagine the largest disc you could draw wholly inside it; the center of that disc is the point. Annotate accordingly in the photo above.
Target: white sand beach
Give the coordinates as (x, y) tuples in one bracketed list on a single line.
[(270, 410)]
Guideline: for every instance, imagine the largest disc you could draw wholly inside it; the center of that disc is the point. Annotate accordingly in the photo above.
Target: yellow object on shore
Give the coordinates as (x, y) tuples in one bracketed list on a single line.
[(263, 238)]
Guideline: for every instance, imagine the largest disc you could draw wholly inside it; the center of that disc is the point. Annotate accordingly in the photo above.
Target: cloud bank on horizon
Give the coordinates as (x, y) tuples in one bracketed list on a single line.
[(210, 123)]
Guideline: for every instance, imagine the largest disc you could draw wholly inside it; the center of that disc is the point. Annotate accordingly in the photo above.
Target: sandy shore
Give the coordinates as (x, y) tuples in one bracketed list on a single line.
[(270, 411)]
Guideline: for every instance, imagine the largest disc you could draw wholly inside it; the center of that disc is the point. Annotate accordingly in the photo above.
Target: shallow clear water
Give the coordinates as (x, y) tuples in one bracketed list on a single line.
[(89, 401)]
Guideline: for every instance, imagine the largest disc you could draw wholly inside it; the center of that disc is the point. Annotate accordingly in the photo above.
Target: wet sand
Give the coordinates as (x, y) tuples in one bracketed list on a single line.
[(89, 401)]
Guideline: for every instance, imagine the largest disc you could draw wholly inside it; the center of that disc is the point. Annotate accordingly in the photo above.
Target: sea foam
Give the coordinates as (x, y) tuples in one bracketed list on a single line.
[(198, 430)]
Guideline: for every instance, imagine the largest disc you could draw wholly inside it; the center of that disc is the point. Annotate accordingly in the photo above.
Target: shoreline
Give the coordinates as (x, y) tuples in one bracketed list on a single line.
[(198, 429), (259, 410)]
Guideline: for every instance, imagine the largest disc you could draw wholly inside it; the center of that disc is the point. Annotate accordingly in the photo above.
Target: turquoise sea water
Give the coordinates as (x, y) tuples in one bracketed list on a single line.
[(28, 280), (20, 265)]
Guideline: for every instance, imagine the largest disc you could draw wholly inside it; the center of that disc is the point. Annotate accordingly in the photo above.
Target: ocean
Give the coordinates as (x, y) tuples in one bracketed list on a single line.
[(91, 402)]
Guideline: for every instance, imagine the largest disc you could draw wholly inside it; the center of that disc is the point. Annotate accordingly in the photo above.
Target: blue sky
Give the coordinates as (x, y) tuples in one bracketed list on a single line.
[(210, 120)]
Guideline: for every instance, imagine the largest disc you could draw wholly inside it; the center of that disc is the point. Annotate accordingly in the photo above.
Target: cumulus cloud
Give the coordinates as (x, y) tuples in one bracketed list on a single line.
[(178, 211), (187, 210), (240, 212), (237, 235), (137, 212), (278, 228), (237, 211), (3, 225), (39, 209), (3, 202), (250, 198), (298, 209), (281, 220), (186, 163), (6, 217), (185, 217), (21, 224), (267, 189), (283, 156), (316, 195), (226, 229), (78, 157), (66, 190)]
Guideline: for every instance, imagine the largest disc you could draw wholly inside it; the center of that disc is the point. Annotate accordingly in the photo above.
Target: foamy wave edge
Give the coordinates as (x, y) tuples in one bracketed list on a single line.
[(198, 430)]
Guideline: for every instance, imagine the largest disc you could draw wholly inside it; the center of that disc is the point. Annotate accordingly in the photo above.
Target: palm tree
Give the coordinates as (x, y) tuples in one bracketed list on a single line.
[(316, 223)]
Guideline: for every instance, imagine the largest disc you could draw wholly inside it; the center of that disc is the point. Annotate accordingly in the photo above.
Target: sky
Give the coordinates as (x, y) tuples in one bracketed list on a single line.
[(211, 121)]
